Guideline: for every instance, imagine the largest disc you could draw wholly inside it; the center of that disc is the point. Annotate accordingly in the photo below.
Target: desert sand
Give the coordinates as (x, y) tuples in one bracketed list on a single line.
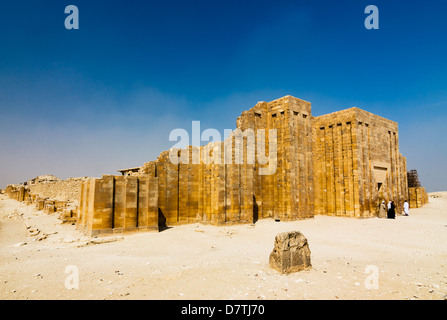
[(40, 259)]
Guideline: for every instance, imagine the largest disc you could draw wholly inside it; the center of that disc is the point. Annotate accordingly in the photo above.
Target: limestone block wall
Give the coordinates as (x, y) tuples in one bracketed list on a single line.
[(417, 197), (65, 210), (116, 204), (212, 192), (230, 188), (286, 193), (67, 190), (341, 164), (16, 192), (357, 163), (47, 188), (51, 194)]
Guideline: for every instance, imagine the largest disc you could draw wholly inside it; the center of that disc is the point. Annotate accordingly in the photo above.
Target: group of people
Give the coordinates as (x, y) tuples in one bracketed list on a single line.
[(389, 211)]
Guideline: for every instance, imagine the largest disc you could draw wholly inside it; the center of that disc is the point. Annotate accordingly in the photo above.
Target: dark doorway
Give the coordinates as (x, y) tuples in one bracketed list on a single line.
[(161, 221), (255, 210)]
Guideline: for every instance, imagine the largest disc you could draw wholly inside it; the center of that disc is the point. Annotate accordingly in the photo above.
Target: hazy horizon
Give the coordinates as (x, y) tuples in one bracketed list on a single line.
[(89, 102)]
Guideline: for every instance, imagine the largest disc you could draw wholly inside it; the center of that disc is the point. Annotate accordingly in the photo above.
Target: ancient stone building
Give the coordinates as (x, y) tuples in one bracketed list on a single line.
[(357, 163), (280, 163)]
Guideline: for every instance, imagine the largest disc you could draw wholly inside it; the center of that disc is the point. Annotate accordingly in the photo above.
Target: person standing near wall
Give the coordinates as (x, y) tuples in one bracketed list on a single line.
[(406, 208), (391, 210), (382, 210)]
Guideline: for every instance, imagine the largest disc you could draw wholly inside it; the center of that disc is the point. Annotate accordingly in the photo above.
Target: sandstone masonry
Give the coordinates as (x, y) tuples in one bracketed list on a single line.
[(341, 164), (50, 194)]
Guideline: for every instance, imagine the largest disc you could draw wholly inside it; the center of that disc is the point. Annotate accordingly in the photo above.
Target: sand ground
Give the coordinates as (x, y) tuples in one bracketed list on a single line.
[(408, 256)]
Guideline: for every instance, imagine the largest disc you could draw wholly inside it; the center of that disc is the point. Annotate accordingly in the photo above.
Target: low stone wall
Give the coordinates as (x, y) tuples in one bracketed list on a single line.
[(417, 197), (52, 195), (66, 190), (16, 192), (66, 210)]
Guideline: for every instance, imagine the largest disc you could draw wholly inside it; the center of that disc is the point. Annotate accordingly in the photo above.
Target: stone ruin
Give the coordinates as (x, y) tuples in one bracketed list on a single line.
[(50, 194), (290, 253), (340, 164)]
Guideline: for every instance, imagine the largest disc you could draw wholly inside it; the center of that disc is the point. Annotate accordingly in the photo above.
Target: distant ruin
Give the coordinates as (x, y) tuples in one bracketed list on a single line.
[(340, 164), (417, 197), (413, 179), (50, 194)]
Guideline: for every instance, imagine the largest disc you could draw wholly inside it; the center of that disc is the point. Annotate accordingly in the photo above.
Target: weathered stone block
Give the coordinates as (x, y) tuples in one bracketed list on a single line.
[(49, 208), (40, 204), (291, 253)]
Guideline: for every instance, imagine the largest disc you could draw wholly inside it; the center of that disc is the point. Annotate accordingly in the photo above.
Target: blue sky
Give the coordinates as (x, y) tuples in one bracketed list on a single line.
[(105, 97)]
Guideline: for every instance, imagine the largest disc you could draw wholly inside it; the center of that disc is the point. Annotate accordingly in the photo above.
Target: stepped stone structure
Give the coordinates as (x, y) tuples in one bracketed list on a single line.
[(340, 164)]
